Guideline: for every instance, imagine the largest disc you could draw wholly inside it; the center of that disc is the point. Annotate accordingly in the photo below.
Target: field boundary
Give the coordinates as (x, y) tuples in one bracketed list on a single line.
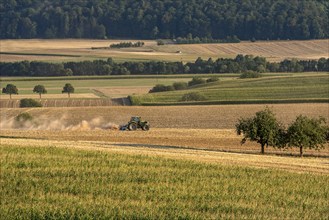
[(238, 102), (71, 102)]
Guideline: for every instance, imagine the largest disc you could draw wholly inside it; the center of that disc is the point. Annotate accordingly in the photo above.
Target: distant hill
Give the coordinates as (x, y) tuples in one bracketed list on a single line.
[(151, 19)]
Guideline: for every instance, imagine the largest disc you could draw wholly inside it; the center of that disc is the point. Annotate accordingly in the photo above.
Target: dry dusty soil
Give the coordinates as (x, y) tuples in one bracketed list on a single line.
[(192, 132)]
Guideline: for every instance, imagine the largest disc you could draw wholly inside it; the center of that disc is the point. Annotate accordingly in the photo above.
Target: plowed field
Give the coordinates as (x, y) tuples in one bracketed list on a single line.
[(208, 128)]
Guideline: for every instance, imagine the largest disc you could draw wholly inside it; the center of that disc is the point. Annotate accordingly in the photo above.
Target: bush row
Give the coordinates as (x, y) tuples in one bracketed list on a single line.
[(182, 85)]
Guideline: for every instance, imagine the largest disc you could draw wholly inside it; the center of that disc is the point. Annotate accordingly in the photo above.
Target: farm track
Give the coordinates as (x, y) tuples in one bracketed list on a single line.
[(292, 164)]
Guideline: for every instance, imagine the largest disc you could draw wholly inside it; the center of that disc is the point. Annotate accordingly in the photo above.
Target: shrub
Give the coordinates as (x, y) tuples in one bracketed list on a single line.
[(161, 88), (212, 79), (160, 42), (23, 117), (193, 96), (170, 88), (249, 75), (196, 81), (29, 103), (180, 85)]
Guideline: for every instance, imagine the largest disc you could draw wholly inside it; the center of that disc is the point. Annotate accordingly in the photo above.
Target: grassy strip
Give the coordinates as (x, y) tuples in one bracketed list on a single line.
[(54, 183), (238, 102), (40, 54), (154, 76)]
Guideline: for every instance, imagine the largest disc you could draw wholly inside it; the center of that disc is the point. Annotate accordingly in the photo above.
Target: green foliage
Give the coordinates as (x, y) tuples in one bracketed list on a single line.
[(127, 44), (64, 183), (23, 117), (196, 81), (212, 79), (193, 96), (10, 89), (240, 64), (262, 128), (180, 85), (206, 40), (161, 88), (29, 103), (250, 75), (68, 88), (40, 89), (307, 132), (193, 22)]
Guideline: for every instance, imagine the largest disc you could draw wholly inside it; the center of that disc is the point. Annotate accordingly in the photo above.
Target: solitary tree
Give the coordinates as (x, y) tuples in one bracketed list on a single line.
[(307, 132), (10, 89), (68, 88), (40, 89), (263, 128)]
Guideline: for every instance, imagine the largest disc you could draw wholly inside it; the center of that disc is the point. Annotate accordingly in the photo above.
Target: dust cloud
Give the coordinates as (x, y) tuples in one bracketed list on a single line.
[(47, 123)]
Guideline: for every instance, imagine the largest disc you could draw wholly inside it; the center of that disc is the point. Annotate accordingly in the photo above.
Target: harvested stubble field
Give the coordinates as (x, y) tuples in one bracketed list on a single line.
[(67, 50), (189, 126), (195, 117)]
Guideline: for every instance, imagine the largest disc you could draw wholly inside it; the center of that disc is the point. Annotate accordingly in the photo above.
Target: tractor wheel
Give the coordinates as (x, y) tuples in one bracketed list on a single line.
[(132, 127), (146, 127)]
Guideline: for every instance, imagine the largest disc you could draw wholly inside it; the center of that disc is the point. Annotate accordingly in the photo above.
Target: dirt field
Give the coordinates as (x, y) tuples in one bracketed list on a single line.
[(197, 127), (203, 117), (61, 50)]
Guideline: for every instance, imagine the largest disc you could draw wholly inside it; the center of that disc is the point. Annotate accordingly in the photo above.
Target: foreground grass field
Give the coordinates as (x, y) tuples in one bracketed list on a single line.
[(77, 50), (68, 183)]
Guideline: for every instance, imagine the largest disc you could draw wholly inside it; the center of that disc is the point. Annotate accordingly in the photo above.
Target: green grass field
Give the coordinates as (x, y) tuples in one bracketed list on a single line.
[(63, 183), (293, 87)]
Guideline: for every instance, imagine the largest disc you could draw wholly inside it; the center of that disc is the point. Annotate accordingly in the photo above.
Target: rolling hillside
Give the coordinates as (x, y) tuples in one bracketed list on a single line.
[(308, 88)]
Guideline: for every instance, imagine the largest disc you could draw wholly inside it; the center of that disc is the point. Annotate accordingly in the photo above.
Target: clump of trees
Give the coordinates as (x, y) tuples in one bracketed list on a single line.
[(264, 129), (10, 89), (182, 85), (127, 44), (240, 64), (196, 81), (205, 40), (29, 103)]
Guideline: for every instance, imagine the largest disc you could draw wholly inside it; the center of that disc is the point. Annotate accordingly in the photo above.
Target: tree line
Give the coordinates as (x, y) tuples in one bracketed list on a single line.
[(11, 89), (265, 129), (169, 19), (240, 64)]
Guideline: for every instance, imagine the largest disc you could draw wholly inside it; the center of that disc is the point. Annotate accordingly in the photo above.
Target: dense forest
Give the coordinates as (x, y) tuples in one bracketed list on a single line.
[(154, 19), (239, 64)]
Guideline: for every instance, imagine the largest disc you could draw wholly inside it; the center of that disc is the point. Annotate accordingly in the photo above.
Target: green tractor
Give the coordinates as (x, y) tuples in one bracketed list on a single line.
[(135, 123)]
